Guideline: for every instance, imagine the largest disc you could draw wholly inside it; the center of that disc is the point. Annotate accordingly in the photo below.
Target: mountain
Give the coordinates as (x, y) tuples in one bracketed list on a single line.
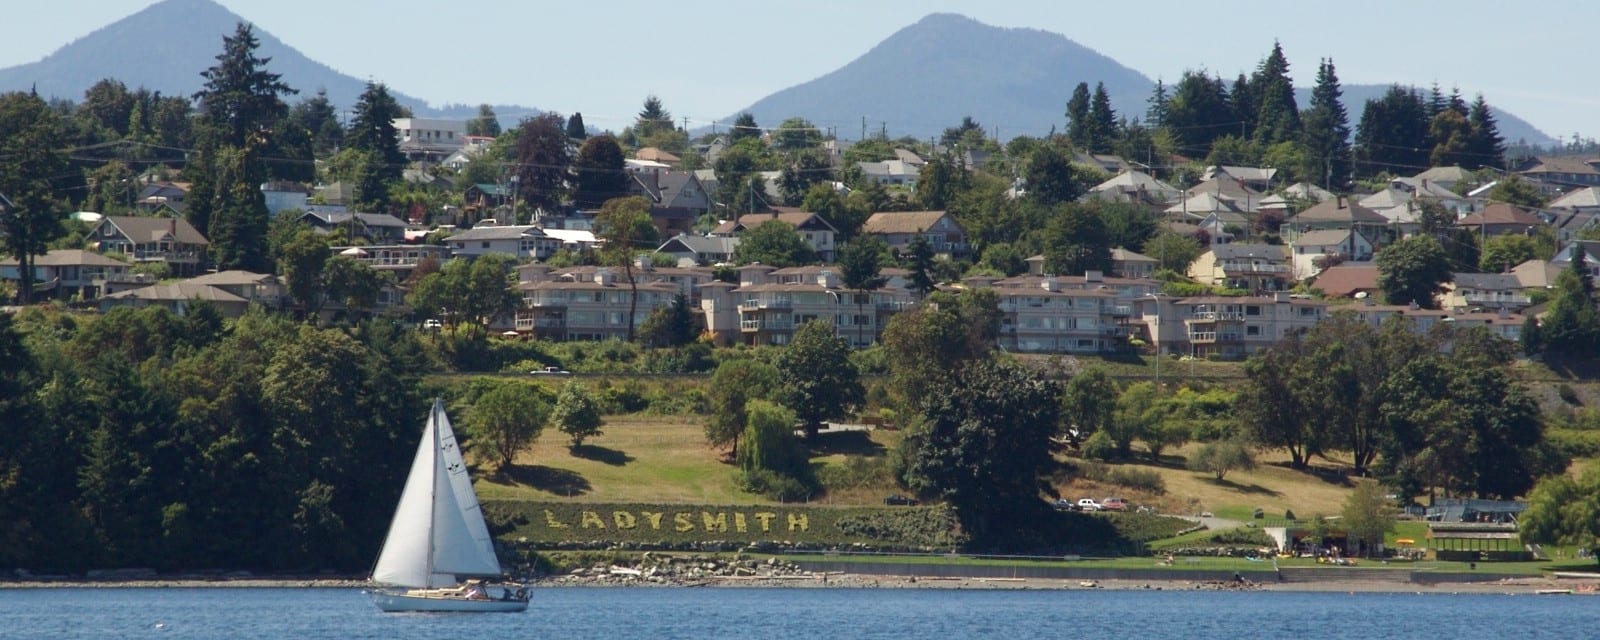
[(926, 76), (165, 47), (929, 75)]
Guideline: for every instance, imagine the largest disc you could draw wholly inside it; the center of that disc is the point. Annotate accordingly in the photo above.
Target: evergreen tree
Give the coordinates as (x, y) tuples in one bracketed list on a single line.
[(1052, 177), (32, 170), (1155, 113), (1572, 325), (1102, 121), (239, 224), (919, 260), (1393, 134), (1245, 102), (652, 118), (485, 124), (317, 115), (744, 126), (372, 131), (1199, 112), (1487, 148), (1079, 126), (1327, 130), (240, 97), (575, 128), (598, 173), (542, 160), (1277, 116), (858, 267)]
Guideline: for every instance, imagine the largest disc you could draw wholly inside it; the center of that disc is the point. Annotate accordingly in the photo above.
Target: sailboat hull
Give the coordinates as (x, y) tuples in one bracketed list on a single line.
[(392, 602)]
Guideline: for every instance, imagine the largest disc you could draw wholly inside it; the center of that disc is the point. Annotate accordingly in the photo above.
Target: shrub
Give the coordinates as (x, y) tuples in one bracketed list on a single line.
[(1218, 458), (774, 486), (1568, 394), (1140, 479), (1574, 443), (1099, 447), (1243, 536), (855, 472)]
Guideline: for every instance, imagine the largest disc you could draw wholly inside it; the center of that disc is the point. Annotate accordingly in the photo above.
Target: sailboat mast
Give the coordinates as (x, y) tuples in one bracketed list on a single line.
[(433, 487)]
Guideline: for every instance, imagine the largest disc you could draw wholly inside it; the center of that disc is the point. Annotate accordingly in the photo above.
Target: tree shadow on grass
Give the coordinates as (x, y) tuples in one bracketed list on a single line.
[(1330, 475), (561, 482), (602, 455), (1244, 488), (855, 443)]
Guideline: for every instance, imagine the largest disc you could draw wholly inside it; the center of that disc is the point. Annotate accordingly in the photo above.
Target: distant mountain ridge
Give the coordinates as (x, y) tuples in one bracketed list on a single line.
[(927, 76), (165, 46)]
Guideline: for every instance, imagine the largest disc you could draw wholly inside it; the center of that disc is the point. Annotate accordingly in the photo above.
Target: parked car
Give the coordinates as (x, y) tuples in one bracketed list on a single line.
[(1114, 504), (898, 500), (1088, 504), (549, 371), (1064, 504), (431, 324)]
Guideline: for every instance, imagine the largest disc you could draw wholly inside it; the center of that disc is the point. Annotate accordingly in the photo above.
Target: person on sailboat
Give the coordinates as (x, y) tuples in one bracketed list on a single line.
[(475, 591)]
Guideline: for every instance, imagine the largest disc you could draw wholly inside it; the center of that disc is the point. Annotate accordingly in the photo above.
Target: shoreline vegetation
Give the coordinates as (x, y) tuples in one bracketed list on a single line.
[(1490, 584)]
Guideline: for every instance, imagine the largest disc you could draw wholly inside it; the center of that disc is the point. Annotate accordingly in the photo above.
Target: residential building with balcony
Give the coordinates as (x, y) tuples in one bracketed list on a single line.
[(685, 281), (524, 242), (587, 305), (816, 231), (898, 228), (1315, 251), (1229, 327), (398, 259), (771, 303), (151, 239), (1485, 291), (1337, 214), (376, 228), (1250, 267), (430, 138), (68, 273)]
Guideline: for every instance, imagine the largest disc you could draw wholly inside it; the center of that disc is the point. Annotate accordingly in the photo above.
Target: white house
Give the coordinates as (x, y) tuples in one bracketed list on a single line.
[(525, 242)]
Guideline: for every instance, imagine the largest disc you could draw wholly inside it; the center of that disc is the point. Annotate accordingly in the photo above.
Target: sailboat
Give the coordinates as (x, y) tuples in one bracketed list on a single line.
[(439, 555)]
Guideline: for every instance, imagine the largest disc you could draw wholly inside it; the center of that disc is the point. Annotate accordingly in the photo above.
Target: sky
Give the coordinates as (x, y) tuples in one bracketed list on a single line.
[(707, 59)]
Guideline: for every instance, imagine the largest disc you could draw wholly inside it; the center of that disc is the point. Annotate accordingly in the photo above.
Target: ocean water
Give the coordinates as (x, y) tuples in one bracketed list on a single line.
[(832, 614)]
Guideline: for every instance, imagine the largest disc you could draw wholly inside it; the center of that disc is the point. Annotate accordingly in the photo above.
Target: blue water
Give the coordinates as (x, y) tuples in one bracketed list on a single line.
[(832, 614)]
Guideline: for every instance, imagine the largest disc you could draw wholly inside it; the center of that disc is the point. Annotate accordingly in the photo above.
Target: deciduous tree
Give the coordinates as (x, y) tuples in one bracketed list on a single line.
[(817, 379), (624, 226), (507, 418), (1413, 270), (577, 414)]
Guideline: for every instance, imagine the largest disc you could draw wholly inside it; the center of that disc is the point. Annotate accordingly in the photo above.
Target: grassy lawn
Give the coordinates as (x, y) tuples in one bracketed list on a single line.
[(1271, 486)]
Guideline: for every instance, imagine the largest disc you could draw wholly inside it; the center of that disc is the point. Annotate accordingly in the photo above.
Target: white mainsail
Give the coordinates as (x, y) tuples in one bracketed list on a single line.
[(438, 533)]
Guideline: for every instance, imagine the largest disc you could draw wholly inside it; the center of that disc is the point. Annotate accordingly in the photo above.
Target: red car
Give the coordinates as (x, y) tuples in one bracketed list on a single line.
[(1114, 504)]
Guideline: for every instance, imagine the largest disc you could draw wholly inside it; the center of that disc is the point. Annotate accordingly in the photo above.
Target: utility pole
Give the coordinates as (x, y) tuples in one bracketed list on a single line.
[(863, 128)]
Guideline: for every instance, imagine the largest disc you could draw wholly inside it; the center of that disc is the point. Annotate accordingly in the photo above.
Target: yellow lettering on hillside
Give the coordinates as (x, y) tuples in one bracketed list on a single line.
[(551, 521), (624, 520), (592, 519), (712, 523), (739, 523), (765, 518), (799, 522), (681, 522), (653, 518)]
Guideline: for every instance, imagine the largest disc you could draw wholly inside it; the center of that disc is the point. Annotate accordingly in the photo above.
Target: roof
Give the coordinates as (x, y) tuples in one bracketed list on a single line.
[(491, 189), (1203, 203), (1563, 164), (231, 278), (684, 243), (1252, 174), (1238, 250), (1536, 274), (68, 258), (884, 222), (1120, 254), (1338, 210), (1343, 281), (176, 291), (656, 155), (1307, 191), (796, 219), (1585, 197), (571, 236), (1487, 281), (1238, 300), (1226, 187), (1445, 174), (1501, 213), (497, 233), (333, 219), (1388, 198), (1322, 237), (153, 229)]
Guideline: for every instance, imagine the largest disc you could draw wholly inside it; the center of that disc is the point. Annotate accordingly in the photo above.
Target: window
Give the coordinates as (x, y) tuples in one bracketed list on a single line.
[(1252, 330), (1252, 310), (486, 244)]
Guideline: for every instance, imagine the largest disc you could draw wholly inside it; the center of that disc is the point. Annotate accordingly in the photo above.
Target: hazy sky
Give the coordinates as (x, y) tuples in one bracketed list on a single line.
[(707, 59)]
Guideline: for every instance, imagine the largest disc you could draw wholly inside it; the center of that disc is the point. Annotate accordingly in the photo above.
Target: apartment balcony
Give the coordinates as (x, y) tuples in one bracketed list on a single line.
[(166, 256), (1479, 299), (544, 304), (1213, 337), (765, 325), (1233, 269), (893, 306), (1216, 316), (752, 305), (1120, 310)]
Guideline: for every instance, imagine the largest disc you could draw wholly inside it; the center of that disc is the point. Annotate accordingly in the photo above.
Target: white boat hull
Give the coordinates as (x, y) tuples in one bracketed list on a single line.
[(392, 602)]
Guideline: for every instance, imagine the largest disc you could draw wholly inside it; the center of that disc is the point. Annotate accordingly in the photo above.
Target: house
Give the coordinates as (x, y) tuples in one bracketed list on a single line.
[(1230, 327), (1585, 200), (1301, 193), (1422, 189), (1338, 213), (68, 273), (816, 231), (897, 229), (1249, 267), (771, 303), (1348, 280), (430, 139), (1112, 164), (524, 242), (397, 259), (1316, 250), (590, 304), (177, 297), (1501, 322), (1130, 264), (164, 198), (1135, 187), (1500, 218), (1567, 171), (1485, 291), (379, 228), (890, 172), (151, 239), (486, 196), (1226, 187), (1201, 205), (1589, 249), (578, 241), (677, 199), (334, 194), (259, 288), (1446, 177), (654, 154), (1256, 178), (1537, 274), (281, 195), (685, 280), (699, 250)]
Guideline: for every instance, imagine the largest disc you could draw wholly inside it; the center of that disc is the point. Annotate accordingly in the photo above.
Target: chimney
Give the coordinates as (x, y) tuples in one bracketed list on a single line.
[(1280, 296), (828, 279), (1049, 283), (604, 277), (1339, 203), (1093, 276)]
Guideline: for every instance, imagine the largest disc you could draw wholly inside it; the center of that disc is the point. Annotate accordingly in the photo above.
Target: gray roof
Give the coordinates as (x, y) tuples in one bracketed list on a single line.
[(1322, 237), (369, 219), (497, 233), (176, 291), (1239, 250), (67, 258), (143, 229), (699, 244), (1487, 281), (1338, 210), (231, 278)]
